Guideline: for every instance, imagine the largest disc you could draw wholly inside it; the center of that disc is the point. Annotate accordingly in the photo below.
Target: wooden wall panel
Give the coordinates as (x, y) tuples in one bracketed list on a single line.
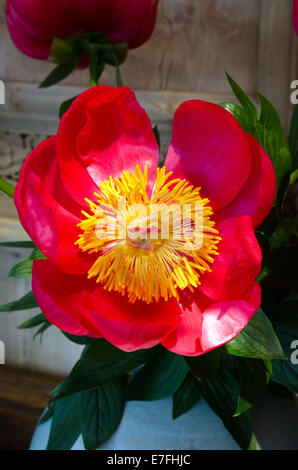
[(193, 42), (278, 54)]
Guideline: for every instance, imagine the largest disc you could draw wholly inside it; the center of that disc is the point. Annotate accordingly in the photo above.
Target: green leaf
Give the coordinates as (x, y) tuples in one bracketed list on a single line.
[(257, 340), (242, 98), (286, 372), (6, 187), (158, 379), (48, 413), (65, 428), (24, 244), (254, 378), (33, 322), (24, 303), (22, 270), (186, 397), (100, 363), (66, 105), (42, 329), (270, 134), (119, 79), (101, 411), (157, 135), (206, 366), (78, 339), (37, 254), (293, 137), (62, 50), (59, 73), (221, 394), (100, 66), (266, 128), (38, 320), (242, 116)]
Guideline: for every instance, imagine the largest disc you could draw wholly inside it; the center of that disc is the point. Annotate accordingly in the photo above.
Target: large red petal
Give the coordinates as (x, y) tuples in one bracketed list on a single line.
[(228, 296), (64, 301), (47, 212), (211, 150), (201, 331), (60, 296), (120, 19), (51, 19), (105, 132), (32, 203), (30, 41), (238, 264), (114, 306), (257, 195)]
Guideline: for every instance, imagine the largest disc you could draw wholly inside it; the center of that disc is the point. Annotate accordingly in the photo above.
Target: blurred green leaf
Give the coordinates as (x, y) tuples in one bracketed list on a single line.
[(78, 339), (66, 105), (24, 303), (59, 73), (33, 322), (21, 244), (22, 270)]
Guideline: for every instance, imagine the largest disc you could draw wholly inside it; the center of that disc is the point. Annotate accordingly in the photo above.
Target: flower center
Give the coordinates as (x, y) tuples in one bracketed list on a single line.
[(150, 244)]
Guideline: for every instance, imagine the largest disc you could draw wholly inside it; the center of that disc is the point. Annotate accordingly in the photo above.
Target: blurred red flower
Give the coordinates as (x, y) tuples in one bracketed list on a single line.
[(33, 24)]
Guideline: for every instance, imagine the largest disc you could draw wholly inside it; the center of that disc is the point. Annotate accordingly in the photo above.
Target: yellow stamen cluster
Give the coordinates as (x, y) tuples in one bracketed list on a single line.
[(151, 244)]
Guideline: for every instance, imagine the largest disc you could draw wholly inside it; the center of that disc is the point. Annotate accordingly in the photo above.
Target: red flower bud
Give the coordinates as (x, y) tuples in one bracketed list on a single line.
[(33, 24)]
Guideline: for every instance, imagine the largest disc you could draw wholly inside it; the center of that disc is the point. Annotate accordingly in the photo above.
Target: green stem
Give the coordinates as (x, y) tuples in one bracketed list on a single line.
[(92, 66), (6, 187), (263, 274), (118, 77)]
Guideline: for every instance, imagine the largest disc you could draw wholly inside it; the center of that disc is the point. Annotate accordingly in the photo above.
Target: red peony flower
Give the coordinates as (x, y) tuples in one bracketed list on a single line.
[(138, 291), (295, 16), (33, 24)]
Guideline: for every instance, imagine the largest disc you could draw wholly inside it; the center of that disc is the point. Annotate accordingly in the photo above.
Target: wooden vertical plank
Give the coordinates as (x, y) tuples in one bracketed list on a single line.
[(277, 46)]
